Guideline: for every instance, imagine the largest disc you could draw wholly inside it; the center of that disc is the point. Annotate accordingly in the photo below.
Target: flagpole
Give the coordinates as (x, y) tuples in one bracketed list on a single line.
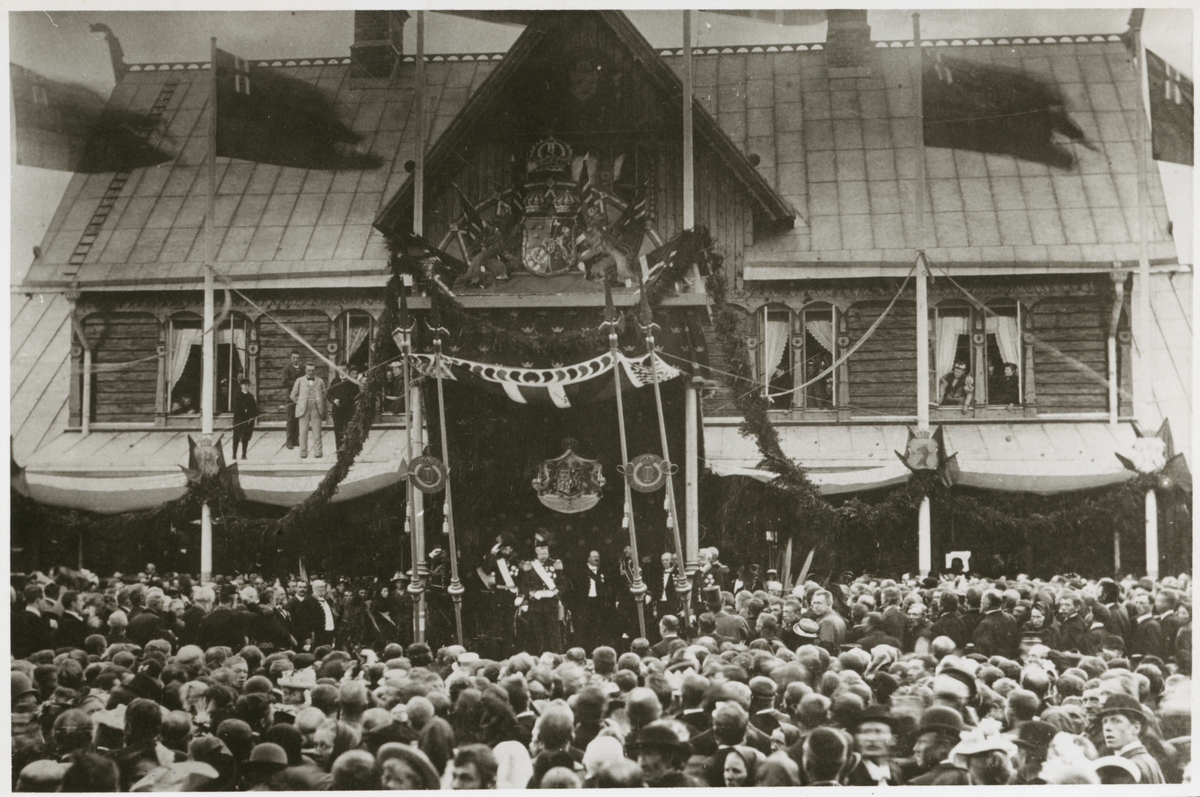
[(456, 588), (413, 397), (638, 588), (206, 383), (415, 589), (924, 523), (1144, 373), (682, 586), (689, 179)]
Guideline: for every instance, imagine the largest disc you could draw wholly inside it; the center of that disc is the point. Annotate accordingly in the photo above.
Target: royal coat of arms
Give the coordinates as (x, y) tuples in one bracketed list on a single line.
[(569, 483)]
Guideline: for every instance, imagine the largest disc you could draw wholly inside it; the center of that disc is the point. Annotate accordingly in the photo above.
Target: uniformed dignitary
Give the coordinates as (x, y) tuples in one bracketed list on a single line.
[(542, 584)]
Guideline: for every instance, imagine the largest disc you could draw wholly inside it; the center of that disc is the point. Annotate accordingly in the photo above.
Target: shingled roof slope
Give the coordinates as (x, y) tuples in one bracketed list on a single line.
[(839, 148), (274, 224)]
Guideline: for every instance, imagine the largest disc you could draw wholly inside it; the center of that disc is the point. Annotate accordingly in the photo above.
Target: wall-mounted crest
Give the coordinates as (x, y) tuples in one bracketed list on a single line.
[(569, 483)]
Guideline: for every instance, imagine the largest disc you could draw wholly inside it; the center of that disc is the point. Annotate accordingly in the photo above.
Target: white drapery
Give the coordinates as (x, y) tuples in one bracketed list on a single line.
[(822, 332), (949, 327), (1004, 327), (182, 340), (775, 338), (354, 338)]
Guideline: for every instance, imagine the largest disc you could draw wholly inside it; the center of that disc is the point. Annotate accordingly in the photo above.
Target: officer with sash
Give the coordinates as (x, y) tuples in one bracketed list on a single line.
[(542, 584), (500, 574)]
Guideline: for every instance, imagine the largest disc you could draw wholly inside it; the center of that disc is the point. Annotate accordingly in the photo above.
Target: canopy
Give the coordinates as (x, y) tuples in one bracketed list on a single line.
[(1038, 457), (123, 471)]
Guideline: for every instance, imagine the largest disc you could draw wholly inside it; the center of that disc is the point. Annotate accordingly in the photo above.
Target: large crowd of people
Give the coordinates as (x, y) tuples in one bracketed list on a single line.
[(151, 681)]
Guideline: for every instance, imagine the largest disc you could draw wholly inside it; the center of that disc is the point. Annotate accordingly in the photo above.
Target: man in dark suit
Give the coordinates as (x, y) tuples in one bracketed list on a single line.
[(1110, 609), (1165, 604), (31, 630), (317, 617), (291, 372), (593, 604), (1147, 630), (661, 585), (946, 623), (997, 633), (72, 628), (1073, 633), (203, 599), (668, 629), (343, 397), (224, 625), (245, 413), (309, 395)]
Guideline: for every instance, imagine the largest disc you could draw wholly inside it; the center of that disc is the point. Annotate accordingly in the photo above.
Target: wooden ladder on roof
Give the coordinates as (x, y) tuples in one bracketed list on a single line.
[(92, 231)]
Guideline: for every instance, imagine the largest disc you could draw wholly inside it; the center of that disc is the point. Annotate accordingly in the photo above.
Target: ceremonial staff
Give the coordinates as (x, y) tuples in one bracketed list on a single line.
[(682, 587), (638, 588), (456, 588)]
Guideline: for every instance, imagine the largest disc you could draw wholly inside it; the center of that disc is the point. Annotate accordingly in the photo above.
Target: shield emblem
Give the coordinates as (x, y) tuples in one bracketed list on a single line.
[(548, 245), (569, 483), (922, 453), (646, 473), (428, 474)]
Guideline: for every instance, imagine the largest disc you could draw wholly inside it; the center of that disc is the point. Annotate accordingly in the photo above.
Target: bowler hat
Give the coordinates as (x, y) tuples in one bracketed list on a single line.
[(659, 737), (1035, 735), (873, 713), (1124, 704), (941, 719)]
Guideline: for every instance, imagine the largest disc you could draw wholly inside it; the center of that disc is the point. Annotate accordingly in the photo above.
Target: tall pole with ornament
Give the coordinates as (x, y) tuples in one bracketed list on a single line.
[(638, 588), (682, 586), (455, 589)]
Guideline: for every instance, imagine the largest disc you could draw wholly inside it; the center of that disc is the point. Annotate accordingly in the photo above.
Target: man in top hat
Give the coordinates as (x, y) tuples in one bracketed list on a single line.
[(1033, 745), (1123, 722), (874, 733), (542, 584), (937, 734)]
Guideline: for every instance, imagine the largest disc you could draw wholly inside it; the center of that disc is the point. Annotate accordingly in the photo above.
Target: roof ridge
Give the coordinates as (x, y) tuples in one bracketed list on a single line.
[(721, 49)]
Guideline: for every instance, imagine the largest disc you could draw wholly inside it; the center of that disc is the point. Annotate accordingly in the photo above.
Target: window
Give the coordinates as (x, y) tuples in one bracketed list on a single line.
[(185, 358), (952, 346), (1002, 351), (775, 357), (354, 338), (819, 353)]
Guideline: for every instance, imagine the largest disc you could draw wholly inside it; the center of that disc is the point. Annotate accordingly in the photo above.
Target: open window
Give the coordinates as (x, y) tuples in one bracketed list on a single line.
[(354, 338), (1002, 351), (952, 347), (185, 362), (819, 353)]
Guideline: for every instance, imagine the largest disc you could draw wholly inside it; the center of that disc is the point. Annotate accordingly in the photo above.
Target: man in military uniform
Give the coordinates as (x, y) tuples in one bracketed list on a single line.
[(542, 584), (501, 575), (705, 576)]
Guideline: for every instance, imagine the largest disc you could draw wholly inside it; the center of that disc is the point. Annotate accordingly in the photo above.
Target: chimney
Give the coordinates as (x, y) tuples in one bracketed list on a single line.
[(848, 42), (378, 41)]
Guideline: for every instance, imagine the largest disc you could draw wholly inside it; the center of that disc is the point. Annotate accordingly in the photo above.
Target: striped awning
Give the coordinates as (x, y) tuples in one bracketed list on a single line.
[(123, 471), (1042, 458)]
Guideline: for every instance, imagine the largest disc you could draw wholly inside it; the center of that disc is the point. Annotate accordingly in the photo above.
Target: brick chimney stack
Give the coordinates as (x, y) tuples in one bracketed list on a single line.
[(378, 41), (848, 43)]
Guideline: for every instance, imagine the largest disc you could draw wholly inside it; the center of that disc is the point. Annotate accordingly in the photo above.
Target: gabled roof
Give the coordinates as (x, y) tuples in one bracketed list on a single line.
[(708, 132)]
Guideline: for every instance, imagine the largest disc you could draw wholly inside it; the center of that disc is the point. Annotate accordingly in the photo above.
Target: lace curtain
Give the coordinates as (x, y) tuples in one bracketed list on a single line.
[(182, 340), (354, 339), (1004, 327), (949, 327), (775, 338), (822, 331)]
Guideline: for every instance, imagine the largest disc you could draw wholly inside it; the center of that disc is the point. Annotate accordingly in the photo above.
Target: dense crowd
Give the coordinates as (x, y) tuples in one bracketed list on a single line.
[(150, 682)]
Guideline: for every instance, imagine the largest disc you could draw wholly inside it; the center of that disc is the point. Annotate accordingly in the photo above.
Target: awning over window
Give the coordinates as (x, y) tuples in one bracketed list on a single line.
[(1043, 458), (111, 471)]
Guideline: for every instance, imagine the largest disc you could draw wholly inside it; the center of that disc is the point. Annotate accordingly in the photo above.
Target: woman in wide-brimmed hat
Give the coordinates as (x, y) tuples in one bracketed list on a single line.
[(986, 755)]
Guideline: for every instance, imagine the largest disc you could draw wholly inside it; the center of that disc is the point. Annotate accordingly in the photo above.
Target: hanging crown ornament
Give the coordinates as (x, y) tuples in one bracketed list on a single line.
[(549, 155)]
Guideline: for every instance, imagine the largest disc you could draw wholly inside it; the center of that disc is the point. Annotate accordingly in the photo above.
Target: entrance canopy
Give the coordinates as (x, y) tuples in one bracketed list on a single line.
[(123, 471), (1043, 458)]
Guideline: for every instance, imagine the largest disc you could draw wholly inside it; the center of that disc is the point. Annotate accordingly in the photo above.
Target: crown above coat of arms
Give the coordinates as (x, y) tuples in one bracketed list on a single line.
[(549, 155)]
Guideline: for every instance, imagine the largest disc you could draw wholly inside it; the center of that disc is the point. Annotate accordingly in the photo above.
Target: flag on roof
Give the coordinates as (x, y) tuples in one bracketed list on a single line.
[(980, 107), (268, 117), (1172, 105), (68, 127)]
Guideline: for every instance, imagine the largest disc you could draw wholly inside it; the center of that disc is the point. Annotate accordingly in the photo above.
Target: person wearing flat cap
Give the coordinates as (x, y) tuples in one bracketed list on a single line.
[(763, 714), (1124, 721), (874, 732), (1033, 745), (662, 756)]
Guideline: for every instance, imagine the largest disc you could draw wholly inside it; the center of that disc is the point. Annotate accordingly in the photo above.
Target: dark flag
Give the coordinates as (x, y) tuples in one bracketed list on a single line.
[(1172, 123), (68, 127), (267, 117), (985, 108)]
